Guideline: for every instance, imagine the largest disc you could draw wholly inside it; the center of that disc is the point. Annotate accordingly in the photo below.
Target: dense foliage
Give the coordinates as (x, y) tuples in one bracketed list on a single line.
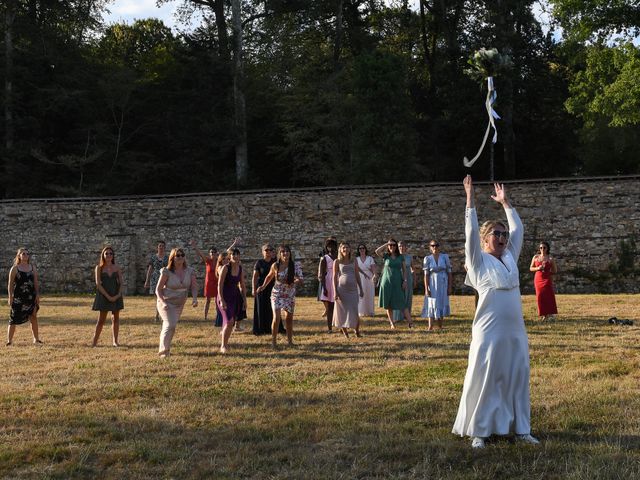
[(333, 92)]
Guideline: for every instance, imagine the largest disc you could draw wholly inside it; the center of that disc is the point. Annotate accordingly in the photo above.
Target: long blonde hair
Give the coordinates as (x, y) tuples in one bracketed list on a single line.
[(16, 260), (342, 257)]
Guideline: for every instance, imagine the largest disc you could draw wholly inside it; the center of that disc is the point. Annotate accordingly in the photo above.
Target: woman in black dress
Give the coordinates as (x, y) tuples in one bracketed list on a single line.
[(108, 294), (262, 313), (24, 295)]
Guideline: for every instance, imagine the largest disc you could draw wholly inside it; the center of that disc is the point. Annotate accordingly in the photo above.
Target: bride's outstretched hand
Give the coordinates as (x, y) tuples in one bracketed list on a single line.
[(468, 184), (501, 194)]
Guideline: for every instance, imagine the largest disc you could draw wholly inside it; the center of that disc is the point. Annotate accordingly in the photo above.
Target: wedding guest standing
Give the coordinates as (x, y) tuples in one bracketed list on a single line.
[(288, 276), (109, 282), (495, 394), (24, 295), (325, 276), (347, 286), (210, 276), (544, 266), (157, 261), (176, 279), (262, 312), (438, 281), (368, 277), (403, 248), (232, 296), (393, 282)]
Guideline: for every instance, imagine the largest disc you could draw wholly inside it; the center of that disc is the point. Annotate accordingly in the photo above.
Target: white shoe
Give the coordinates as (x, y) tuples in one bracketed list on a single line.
[(527, 438), (477, 442)]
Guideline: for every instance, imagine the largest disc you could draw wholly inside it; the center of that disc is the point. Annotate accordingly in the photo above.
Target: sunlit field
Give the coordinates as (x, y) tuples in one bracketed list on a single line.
[(377, 407)]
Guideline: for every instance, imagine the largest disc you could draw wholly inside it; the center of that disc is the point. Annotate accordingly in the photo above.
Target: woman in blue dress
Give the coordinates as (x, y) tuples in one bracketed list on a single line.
[(438, 282)]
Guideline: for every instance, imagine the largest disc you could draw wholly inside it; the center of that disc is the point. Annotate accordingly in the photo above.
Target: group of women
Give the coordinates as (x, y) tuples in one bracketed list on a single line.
[(495, 395)]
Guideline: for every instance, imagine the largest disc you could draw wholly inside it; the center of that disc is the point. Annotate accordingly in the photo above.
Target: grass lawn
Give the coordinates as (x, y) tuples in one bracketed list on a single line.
[(381, 406)]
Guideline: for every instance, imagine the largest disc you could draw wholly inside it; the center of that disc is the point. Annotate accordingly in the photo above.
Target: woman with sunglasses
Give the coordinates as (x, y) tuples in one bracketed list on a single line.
[(176, 279), (24, 295), (495, 394), (109, 282), (288, 276), (393, 283), (544, 266), (437, 285)]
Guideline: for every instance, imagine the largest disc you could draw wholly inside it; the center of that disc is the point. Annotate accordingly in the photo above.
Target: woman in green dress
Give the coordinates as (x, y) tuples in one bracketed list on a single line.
[(393, 283), (108, 294)]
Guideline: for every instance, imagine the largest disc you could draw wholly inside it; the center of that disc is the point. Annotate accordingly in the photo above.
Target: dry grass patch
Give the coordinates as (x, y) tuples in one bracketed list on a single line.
[(381, 406)]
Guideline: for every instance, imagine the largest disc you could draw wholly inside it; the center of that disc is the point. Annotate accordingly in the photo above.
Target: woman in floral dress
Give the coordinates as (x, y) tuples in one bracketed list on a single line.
[(288, 276), (24, 296)]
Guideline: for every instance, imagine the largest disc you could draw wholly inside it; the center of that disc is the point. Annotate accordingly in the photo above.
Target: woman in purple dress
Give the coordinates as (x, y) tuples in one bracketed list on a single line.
[(232, 296)]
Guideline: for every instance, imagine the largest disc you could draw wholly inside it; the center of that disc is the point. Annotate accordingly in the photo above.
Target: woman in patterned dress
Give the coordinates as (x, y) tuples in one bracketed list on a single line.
[(288, 276), (157, 261), (24, 295), (108, 294)]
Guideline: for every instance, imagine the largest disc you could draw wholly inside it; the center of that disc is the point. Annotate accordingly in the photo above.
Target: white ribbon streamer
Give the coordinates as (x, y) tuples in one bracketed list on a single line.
[(491, 98)]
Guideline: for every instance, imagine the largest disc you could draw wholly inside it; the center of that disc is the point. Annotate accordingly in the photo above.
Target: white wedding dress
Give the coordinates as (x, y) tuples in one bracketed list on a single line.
[(495, 395)]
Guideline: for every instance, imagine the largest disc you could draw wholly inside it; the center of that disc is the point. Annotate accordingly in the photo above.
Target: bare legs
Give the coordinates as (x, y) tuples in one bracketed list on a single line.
[(115, 327), (275, 325), (407, 316), (33, 319), (227, 328), (206, 307), (328, 308), (390, 317), (431, 320)]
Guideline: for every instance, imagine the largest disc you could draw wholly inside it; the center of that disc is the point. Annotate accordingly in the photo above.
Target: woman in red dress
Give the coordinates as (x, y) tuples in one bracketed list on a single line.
[(545, 268)]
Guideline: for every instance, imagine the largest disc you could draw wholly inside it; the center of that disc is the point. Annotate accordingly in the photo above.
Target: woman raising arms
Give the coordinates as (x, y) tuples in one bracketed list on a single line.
[(393, 283), (495, 394)]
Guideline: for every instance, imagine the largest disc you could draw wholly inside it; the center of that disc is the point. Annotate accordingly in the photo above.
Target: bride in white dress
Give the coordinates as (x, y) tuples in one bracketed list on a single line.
[(495, 395)]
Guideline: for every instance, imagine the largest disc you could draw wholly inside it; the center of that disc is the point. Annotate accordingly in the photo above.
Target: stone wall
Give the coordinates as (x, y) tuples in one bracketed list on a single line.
[(592, 225)]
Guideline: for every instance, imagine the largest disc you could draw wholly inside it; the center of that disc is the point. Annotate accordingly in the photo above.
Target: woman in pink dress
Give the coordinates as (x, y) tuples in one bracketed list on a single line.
[(325, 277)]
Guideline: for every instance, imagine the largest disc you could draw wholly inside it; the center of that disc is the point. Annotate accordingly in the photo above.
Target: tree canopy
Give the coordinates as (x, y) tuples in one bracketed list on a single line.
[(330, 93)]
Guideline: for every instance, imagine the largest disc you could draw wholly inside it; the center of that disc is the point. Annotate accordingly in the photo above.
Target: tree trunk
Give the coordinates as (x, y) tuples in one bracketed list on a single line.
[(240, 118), (221, 25), (505, 36), (8, 81), (337, 46)]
